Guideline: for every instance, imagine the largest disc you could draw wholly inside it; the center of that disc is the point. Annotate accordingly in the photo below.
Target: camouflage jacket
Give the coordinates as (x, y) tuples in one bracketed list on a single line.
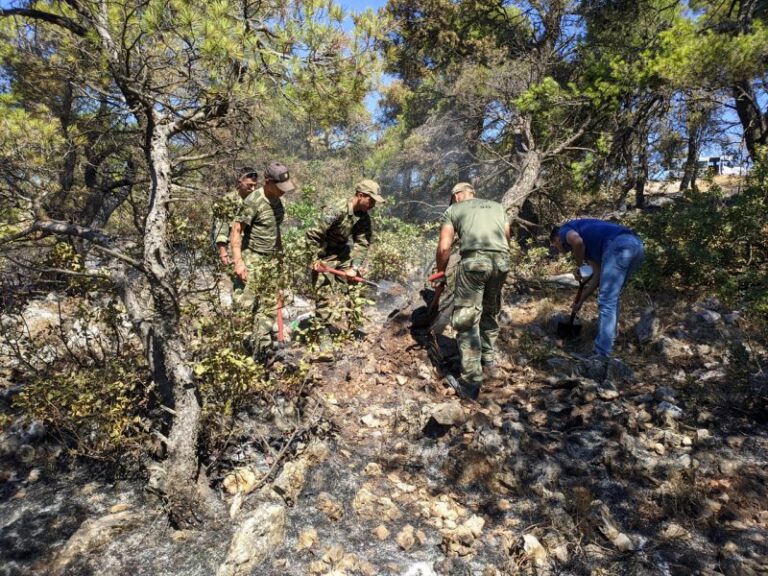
[(330, 234), (224, 211)]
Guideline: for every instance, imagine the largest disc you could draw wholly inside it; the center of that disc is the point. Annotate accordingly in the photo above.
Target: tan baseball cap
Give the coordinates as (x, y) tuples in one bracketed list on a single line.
[(461, 187), (370, 188), (277, 172)]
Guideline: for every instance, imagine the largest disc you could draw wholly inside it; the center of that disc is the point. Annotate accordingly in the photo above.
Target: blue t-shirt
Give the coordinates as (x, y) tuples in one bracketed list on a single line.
[(595, 233)]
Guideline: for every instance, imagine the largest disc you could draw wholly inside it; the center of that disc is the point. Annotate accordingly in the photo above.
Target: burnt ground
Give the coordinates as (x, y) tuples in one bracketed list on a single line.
[(569, 471), (561, 467)]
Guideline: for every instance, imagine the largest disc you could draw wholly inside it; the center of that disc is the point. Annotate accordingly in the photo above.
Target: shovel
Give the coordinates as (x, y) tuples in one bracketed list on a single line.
[(327, 269), (569, 330), (385, 288)]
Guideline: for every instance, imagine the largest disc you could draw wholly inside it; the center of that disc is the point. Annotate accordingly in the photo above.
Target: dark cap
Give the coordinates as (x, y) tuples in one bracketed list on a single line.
[(277, 173)]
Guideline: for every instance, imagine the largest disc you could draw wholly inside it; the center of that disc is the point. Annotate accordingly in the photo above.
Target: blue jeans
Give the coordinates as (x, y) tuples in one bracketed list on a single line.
[(621, 258)]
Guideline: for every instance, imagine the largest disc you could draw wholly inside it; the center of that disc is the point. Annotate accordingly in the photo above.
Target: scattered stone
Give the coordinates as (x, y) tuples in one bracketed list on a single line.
[(373, 469), (240, 480), (673, 531), (290, 482), (367, 505), (535, 550), (611, 531), (306, 540), (420, 569), (381, 532), (449, 413), (406, 538), (728, 467), (606, 393), (261, 532), (371, 421), (330, 507), (317, 452), (34, 476), (735, 442), (401, 380), (668, 414)]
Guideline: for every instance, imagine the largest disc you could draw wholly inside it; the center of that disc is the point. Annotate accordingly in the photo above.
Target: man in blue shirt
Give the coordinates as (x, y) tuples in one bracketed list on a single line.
[(615, 253)]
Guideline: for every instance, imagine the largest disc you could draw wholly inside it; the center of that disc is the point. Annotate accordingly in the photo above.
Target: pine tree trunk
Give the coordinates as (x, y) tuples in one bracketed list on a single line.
[(525, 185), (180, 471), (753, 121)]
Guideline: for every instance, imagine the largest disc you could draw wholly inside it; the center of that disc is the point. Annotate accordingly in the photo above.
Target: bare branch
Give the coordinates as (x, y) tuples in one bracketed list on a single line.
[(70, 25)]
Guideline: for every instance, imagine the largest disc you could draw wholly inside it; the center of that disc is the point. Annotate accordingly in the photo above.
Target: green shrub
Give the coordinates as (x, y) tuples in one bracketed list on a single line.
[(714, 243), (99, 411)]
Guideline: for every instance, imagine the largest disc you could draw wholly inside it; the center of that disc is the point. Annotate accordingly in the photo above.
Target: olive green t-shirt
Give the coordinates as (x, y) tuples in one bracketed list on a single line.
[(262, 218), (479, 223)]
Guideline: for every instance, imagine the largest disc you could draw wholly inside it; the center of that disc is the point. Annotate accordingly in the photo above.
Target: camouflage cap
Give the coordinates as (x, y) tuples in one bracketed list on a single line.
[(370, 188), (277, 173)]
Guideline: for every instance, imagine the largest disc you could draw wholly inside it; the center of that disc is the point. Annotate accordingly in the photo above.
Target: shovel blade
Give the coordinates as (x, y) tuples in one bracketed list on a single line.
[(568, 330)]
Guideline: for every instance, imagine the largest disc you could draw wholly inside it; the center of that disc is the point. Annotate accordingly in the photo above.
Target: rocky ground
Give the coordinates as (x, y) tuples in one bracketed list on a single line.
[(654, 464)]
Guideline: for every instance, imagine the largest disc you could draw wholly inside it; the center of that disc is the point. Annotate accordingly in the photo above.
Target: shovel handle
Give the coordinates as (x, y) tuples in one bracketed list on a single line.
[(341, 273), (280, 321), (578, 297)]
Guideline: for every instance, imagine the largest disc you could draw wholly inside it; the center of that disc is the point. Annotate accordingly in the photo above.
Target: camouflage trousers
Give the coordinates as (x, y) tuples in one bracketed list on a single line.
[(256, 302), (445, 306), (334, 297), (477, 303)]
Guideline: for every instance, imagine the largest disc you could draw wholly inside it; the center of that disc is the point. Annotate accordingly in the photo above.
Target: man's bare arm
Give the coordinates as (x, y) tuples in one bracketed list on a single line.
[(235, 237), (444, 247)]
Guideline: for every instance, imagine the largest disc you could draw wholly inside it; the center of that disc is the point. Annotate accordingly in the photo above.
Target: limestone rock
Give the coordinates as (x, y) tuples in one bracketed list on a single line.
[(290, 482), (381, 532), (406, 538), (93, 534), (240, 480), (306, 539), (449, 413), (535, 550), (330, 507), (260, 533), (668, 413)]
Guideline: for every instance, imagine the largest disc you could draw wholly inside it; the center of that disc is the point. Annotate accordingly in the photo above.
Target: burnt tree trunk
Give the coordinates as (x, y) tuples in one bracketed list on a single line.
[(753, 120), (642, 178), (181, 476), (524, 186)]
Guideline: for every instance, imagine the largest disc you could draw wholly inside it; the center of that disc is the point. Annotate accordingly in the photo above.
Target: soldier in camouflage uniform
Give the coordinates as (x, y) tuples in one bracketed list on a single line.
[(483, 232), (328, 239), (256, 243), (226, 209)]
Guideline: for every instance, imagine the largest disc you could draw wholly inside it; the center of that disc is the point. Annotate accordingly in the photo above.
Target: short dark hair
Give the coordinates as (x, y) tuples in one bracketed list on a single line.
[(247, 172), (554, 234)]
